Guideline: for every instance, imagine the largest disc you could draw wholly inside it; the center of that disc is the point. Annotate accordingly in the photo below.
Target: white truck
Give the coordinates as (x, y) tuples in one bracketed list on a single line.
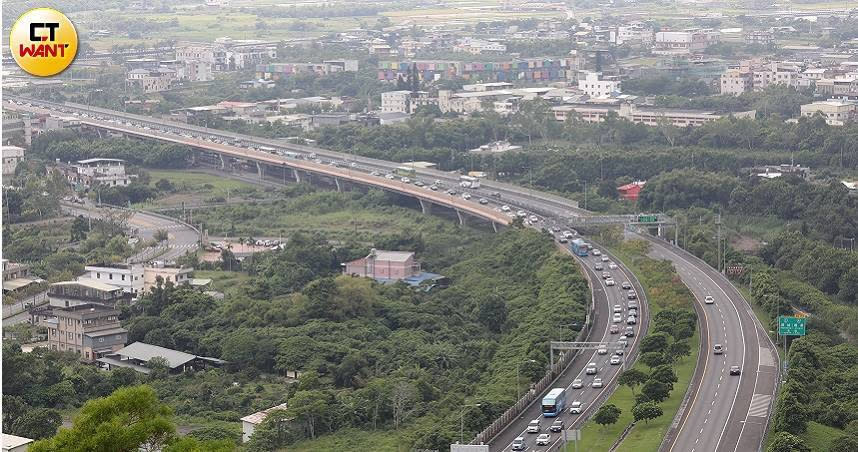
[(469, 182)]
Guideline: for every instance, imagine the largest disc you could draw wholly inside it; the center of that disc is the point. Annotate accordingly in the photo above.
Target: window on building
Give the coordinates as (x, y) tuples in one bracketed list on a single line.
[(123, 277), (98, 275), (110, 276)]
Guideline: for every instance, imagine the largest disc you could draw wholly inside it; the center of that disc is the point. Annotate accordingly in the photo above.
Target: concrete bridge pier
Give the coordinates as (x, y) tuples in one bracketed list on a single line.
[(425, 206), (222, 161), (660, 231), (260, 170), (494, 226), (297, 175), (461, 217), (337, 183)]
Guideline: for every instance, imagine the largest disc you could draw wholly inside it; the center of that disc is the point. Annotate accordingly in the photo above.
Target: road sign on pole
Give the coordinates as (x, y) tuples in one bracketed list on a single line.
[(791, 326)]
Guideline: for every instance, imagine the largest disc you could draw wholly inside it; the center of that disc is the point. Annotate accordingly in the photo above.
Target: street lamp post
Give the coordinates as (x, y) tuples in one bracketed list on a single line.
[(462, 421)]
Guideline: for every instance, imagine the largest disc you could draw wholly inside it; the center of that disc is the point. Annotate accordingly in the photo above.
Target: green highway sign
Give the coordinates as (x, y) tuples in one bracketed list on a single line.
[(791, 326), (647, 218)]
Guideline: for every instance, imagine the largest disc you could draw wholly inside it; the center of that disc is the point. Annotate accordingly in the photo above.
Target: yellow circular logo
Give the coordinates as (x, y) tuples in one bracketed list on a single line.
[(43, 42)]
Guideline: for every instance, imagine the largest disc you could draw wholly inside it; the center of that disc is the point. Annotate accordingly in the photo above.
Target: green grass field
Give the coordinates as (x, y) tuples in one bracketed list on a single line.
[(194, 187), (647, 436), (818, 437)]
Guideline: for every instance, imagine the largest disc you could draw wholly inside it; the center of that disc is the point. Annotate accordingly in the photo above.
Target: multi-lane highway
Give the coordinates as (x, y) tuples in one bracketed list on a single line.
[(725, 412), (607, 299)]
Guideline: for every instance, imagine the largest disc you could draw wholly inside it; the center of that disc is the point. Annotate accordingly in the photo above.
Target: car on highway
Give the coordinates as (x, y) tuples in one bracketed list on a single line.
[(389, 176), (452, 192), (616, 360), (612, 266), (591, 369), (557, 426), (495, 194), (505, 208), (633, 304), (718, 349), (605, 259), (521, 214), (709, 299), (619, 351), (484, 201), (568, 234), (631, 295), (631, 320), (617, 318), (606, 275), (543, 439), (534, 219), (618, 309), (419, 183), (433, 187), (597, 383), (405, 180), (735, 370), (563, 240), (577, 383), (533, 426), (615, 329), (629, 332), (596, 252), (518, 443), (622, 342), (598, 267), (375, 173), (576, 407), (466, 196), (610, 282), (602, 351)]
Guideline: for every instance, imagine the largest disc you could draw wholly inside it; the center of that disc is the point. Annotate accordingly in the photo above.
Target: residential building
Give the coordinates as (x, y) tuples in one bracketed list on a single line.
[(737, 81), (61, 122), (684, 42), (479, 47), (128, 277), (487, 86), (151, 80), (836, 112), (12, 156), (259, 83), (384, 265), (85, 291), (178, 276), (396, 101), (251, 421), (382, 50), (275, 71), (759, 37), (97, 171), (13, 443), (777, 73), (635, 33), (845, 87), (631, 192), (649, 116), (526, 69), (495, 147), (202, 53), (16, 276), (138, 354), (594, 84), (91, 330), (396, 117), (13, 127)]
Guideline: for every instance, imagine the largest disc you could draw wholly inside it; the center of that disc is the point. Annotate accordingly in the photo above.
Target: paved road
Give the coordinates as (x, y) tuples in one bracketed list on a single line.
[(725, 413), (180, 238), (606, 297)]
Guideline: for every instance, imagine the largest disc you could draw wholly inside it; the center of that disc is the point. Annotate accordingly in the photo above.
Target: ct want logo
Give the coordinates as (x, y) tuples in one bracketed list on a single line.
[(43, 42)]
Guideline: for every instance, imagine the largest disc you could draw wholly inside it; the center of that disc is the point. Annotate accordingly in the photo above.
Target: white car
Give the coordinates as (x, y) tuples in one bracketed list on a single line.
[(597, 383), (521, 214), (709, 299), (602, 351), (616, 360), (389, 176), (618, 309), (533, 426), (518, 443), (610, 282), (577, 384), (596, 252), (576, 407), (505, 208), (617, 318), (543, 439), (592, 369), (605, 259), (466, 196), (534, 219), (405, 180), (612, 265)]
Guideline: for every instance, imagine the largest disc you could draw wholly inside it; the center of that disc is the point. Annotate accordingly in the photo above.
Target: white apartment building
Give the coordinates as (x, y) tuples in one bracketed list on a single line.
[(684, 42), (836, 112), (736, 81), (635, 114), (204, 53), (151, 80), (12, 155), (777, 73), (129, 277), (595, 85), (636, 33), (178, 276), (479, 47), (99, 171), (396, 102)]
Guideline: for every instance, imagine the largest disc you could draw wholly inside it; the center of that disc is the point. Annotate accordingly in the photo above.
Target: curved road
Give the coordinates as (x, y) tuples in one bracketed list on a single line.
[(738, 408), (606, 297), (725, 412)]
